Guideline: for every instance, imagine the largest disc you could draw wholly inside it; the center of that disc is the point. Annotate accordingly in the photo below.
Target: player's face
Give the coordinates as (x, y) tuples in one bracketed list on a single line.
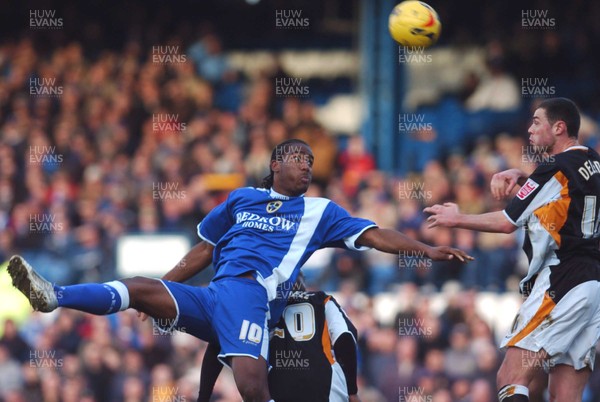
[(293, 169), (541, 133)]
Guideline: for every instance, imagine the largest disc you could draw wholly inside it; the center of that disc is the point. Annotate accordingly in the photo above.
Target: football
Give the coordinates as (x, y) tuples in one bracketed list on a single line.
[(414, 24)]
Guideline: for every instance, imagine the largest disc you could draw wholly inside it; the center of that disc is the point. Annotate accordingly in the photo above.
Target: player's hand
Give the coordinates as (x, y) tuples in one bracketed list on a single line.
[(445, 253), (503, 182), (442, 215), (142, 316), (353, 398)]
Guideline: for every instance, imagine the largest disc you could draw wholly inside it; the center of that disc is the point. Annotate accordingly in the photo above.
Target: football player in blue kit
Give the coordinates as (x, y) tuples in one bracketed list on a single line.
[(257, 239)]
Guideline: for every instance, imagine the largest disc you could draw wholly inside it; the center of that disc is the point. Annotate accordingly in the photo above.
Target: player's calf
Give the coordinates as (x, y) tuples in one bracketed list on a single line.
[(517, 372)]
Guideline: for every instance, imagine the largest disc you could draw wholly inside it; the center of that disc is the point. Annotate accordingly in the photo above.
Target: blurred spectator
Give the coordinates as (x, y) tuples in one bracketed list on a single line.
[(13, 342), (11, 377), (460, 362), (355, 162), (497, 91)]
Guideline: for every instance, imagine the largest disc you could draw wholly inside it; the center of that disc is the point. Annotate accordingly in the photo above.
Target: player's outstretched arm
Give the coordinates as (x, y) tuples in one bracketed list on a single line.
[(197, 259), (503, 182), (211, 368), (392, 241), (448, 215)]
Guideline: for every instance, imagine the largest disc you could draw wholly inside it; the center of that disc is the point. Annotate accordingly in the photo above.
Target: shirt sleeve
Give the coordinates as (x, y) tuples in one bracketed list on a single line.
[(542, 187), (343, 229), (337, 321), (217, 222)]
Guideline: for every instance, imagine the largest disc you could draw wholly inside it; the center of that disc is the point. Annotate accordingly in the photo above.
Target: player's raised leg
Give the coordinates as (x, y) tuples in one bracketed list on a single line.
[(144, 294)]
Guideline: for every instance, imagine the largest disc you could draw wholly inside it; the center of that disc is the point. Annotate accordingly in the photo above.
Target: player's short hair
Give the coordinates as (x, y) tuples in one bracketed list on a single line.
[(563, 109), (267, 182), (300, 283)]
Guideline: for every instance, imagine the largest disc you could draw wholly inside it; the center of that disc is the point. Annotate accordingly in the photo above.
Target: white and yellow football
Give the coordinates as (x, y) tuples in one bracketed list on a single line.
[(414, 24)]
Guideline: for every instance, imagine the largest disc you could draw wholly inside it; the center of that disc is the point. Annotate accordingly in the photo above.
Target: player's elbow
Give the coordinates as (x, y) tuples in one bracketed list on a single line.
[(507, 227)]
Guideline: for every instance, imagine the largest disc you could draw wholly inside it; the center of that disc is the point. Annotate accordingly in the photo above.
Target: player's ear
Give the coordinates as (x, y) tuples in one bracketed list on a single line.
[(275, 166), (559, 127)]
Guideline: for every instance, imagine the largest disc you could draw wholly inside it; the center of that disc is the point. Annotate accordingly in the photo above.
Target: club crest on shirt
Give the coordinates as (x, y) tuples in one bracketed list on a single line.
[(273, 206), (528, 188)]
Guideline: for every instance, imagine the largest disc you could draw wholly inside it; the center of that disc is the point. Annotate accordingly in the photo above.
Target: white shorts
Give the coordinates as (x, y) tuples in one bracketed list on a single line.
[(567, 330)]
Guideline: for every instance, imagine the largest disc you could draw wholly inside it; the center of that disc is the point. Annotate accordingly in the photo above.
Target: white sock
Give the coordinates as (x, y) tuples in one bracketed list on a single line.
[(123, 293), (512, 389)]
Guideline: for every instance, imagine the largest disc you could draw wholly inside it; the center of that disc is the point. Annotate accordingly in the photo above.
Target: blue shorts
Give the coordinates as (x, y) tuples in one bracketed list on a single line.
[(232, 311)]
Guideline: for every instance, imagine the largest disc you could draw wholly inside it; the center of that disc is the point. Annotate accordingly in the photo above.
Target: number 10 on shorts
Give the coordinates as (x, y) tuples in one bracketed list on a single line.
[(251, 332)]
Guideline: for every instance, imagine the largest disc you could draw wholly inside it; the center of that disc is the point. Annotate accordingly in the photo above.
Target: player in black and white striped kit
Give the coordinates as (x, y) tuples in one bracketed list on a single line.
[(312, 352), (558, 205)]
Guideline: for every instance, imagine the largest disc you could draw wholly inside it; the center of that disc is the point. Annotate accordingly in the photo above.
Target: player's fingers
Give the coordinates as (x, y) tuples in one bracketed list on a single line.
[(465, 256), (496, 189), (453, 253), (430, 210), (461, 255), (432, 222), (511, 185)]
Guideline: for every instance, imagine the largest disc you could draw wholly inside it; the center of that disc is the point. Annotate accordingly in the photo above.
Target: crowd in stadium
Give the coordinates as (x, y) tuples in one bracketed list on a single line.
[(126, 144)]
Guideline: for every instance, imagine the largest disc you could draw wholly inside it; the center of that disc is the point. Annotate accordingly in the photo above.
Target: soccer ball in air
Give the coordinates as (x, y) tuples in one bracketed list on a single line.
[(414, 24)]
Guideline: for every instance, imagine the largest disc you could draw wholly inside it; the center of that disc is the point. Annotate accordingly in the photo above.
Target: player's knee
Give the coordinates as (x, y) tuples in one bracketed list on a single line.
[(252, 392), (140, 287)]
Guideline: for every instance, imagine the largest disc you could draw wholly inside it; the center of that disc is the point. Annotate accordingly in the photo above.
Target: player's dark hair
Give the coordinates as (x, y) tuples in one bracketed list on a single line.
[(300, 284), (267, 182), (563, 109)]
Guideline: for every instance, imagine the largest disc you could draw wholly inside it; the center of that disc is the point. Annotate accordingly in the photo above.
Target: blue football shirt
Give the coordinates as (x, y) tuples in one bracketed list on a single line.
[(261, 230)]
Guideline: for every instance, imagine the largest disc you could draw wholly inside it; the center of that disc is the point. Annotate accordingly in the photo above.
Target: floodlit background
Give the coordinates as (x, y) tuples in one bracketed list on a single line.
[(123, 123)]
